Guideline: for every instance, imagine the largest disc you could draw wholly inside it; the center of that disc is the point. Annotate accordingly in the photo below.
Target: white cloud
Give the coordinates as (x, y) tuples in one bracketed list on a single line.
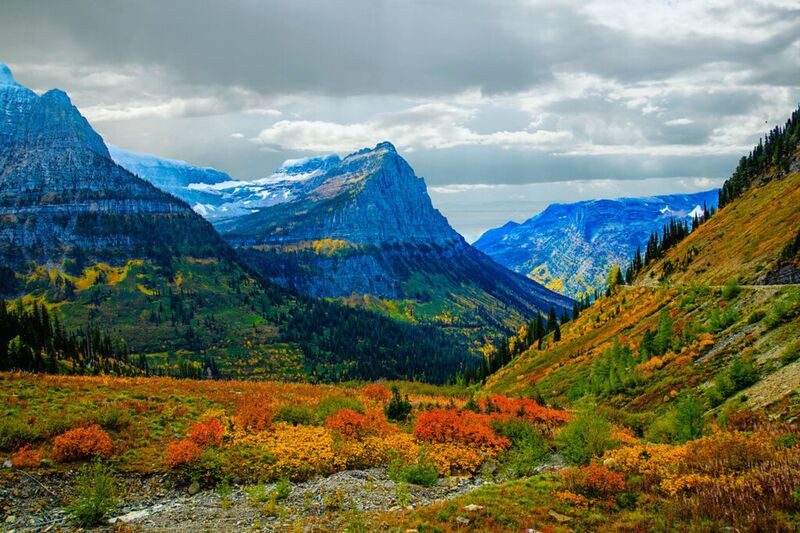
[(431, 125), (679, 122), (462, 187), (263, 112), (237, 135)]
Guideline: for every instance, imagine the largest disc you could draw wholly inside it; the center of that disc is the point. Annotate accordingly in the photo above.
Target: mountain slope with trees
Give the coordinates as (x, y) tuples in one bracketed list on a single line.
[(97, 245)]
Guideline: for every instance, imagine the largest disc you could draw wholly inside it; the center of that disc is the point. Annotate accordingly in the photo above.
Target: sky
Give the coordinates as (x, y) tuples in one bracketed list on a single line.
[(504, 106)]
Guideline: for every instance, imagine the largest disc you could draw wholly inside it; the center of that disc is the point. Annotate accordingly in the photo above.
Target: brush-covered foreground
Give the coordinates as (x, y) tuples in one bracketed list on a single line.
[(268, 439)]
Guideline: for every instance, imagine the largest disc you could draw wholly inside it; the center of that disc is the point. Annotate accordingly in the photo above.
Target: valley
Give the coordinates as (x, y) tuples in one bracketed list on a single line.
[(319, 350)]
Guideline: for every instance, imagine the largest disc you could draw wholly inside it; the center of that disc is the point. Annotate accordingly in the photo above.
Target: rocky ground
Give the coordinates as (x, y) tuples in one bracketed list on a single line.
[(35, 501)]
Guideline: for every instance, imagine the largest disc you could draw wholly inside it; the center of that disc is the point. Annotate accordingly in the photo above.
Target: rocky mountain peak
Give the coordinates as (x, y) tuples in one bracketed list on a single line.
[(6, 77)]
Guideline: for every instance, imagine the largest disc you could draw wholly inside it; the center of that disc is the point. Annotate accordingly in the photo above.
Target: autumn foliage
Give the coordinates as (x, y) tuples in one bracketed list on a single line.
[(181, 452), (593, 481), (254, 413), (377, 392), (454, 426), (354, 425), (81, 443), (208, 433), (27, 457)]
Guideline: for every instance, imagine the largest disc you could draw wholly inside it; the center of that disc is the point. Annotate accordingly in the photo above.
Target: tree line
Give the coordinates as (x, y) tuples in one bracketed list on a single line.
[(774, 151), (657, 245), (33, 340)]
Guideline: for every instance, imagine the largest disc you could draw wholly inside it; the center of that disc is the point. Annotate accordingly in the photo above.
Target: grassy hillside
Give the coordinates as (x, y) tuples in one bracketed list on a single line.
[(744, 240)]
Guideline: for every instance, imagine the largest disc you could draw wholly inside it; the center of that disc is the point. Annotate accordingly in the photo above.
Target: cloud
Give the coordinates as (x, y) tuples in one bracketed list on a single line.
[(473, 92), (462, 187), (431, 125)]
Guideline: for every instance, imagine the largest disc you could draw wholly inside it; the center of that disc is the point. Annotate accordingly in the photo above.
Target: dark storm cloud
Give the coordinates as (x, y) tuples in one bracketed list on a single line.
[(359, 46)]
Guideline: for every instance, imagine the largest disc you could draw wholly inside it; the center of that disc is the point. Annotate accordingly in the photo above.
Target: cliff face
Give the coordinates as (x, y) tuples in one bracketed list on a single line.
[(366, 226), (370, 197), (570, 247), (60, 190)]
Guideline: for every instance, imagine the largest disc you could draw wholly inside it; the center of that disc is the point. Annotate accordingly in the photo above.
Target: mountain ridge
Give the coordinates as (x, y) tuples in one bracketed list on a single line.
[(570, 246)]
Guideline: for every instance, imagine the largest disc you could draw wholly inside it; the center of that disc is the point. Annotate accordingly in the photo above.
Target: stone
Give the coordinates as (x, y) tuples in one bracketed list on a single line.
[(194, 488), (473, 507), (560, 518), (463, 520), (610, 463), (7, 464)]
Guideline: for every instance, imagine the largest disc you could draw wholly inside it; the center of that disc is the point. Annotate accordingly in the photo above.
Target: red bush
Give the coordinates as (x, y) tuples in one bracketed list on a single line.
[(354, 425), (524, 408), (181, 452), (254, 414), (26, 457), (452, 425), (593, 481), (81, 443), (377, 392), (208, 433)]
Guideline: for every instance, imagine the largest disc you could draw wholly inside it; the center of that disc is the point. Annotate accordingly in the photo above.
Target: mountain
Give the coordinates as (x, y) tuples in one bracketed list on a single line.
[(60, 191), (214, 194), (172, 176), (570, 247), (714, 320), (101, 247), (363, 229)]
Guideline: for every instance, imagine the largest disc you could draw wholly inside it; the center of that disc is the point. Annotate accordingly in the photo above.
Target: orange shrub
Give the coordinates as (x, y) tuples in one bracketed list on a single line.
[(354, 425), (525, 408), (449, 458), (208, 433), (253, 414), (81, 443), (377, 392), (26, 457), (593, 481), (452, 425), (181, 452)]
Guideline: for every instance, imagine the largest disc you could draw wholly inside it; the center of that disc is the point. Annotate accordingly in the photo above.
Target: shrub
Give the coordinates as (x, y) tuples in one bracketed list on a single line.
[(452, 425), (253, 414), (354, 425), (791, 353), (739, 375), (731, 290), (398, 408), (420, 472), (181, 453), (282, 490), (593, 481), (330, 405), (208, 433), (377, 392), (81, 443), (528, 447), (209, 468), (295, 414), (588, 436), (96, 496), (15, 433), (113, 417), (26, 457), (689, 419), (776, 314)]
